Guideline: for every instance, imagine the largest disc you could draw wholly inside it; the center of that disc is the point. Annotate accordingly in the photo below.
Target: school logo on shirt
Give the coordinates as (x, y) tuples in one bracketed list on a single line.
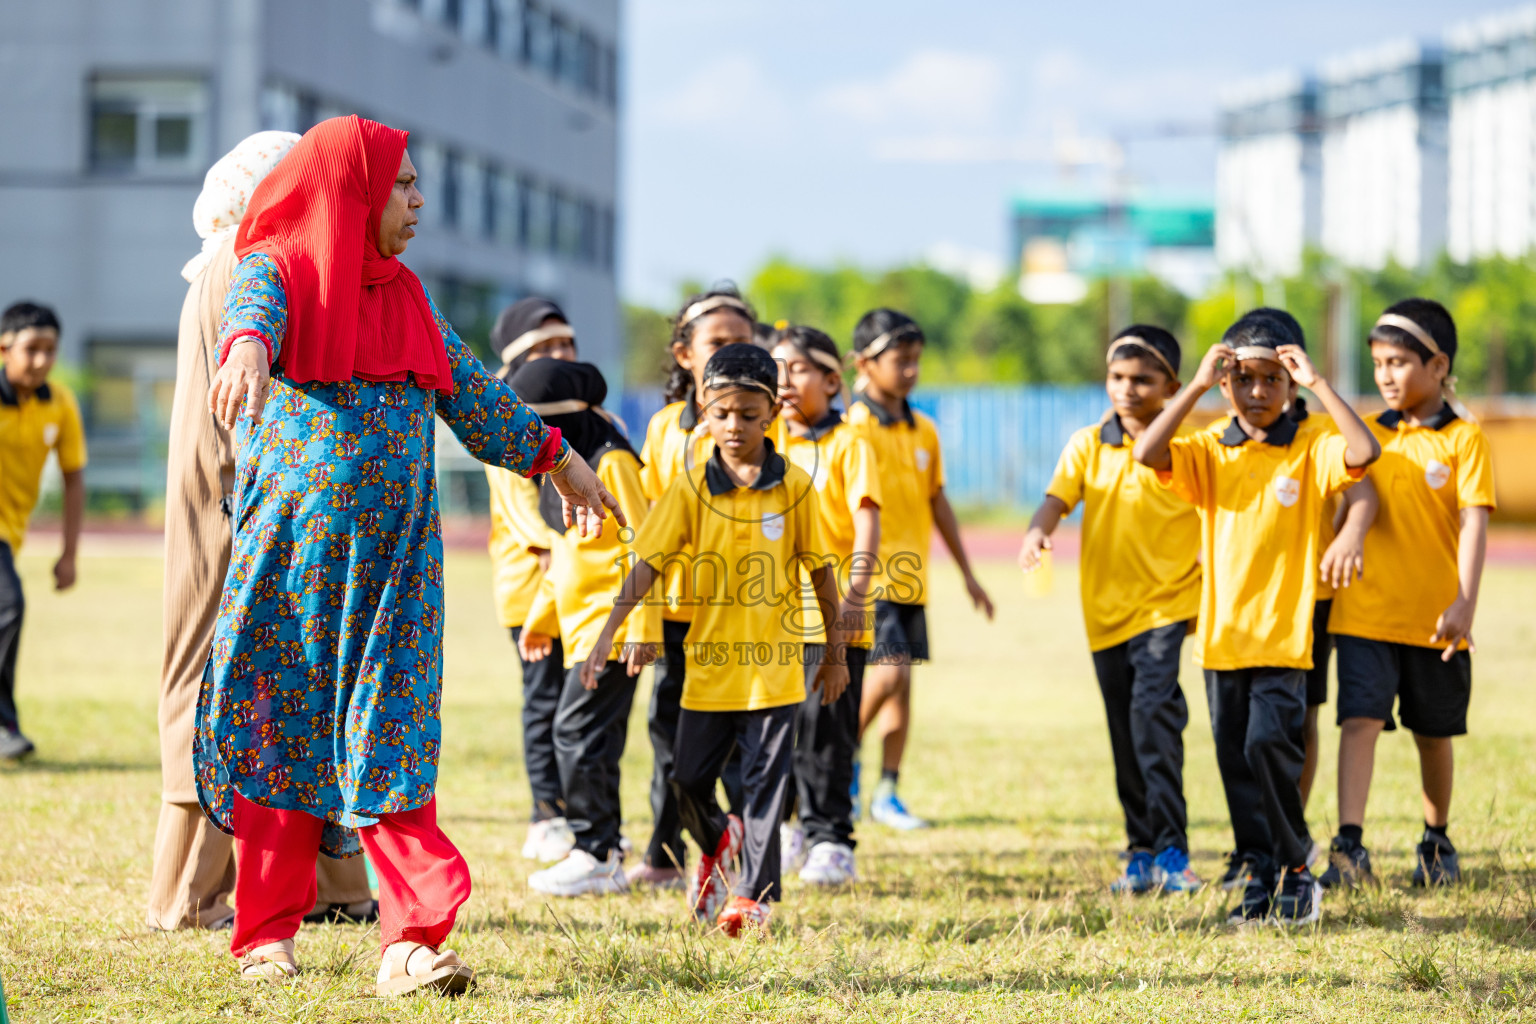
[(51, 434), (1287, 490), (773, 526), (922, 460), (1436, 474)]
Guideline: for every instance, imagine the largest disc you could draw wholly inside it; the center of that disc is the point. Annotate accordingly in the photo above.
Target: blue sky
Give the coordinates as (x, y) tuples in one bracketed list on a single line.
[(880, 131)]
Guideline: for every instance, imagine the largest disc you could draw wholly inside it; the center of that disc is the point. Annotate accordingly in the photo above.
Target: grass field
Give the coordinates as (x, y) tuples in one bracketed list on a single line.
[(1001, 912)]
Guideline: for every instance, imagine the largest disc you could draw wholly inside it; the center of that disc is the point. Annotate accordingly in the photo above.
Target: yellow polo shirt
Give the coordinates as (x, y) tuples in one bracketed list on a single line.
[(841, 465), (49, 421), (1261, 509), (911, 470), (1140, 542), (671, 435), (585, 573), (516, 530), (1307, 424), (745, 548), (1426, 475)]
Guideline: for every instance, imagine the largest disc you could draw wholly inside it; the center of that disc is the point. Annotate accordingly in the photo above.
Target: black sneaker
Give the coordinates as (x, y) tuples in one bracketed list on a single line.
[(1301, 898), (1255, 905), (1436, 862), (13, 745), (1239, 871), (1349, 865)]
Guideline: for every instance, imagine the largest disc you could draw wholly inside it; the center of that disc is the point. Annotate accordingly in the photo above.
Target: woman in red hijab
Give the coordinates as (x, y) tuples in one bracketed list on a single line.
[(318, 723)]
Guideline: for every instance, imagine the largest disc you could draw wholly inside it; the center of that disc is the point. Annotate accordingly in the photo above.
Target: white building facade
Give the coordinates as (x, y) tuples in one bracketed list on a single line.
[(111, 111), (1268, 176), (1491, 81), (1384, 156)]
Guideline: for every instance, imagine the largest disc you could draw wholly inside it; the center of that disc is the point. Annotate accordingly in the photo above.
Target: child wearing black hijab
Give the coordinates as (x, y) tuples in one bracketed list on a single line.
[(527, 331), (590, 725)]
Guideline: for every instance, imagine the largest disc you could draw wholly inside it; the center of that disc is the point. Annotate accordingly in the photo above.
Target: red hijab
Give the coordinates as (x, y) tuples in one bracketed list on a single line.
[(351, 311)]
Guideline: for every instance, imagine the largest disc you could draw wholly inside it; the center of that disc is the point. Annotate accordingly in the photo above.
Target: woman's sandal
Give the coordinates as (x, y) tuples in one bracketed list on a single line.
[(271, 962), (403, 970)]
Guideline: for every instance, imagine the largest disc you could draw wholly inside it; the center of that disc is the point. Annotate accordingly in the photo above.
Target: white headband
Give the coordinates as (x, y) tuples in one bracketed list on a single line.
[(1135, 342), (566, 406), (1402, 323), (886, 340), (711, 304), (525, 341), (1256, 352)]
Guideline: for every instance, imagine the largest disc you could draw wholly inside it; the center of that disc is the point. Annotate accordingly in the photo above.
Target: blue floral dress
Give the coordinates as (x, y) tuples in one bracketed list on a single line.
[(324, 687)]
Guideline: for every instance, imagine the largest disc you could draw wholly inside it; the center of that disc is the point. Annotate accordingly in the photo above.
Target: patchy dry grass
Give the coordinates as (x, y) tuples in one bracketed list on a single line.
[(999, 913)]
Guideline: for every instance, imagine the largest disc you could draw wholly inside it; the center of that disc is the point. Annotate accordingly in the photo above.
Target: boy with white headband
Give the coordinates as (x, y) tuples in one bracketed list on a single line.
[(1259, 487), (1404, 630), (1141, 593)]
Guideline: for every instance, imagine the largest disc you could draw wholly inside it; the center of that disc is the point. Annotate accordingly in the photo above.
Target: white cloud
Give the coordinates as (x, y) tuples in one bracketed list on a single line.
[(729, 89), (930, 86)]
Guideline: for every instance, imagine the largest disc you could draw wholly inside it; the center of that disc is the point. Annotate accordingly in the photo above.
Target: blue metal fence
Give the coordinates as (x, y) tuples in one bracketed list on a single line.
[(1000, 443)]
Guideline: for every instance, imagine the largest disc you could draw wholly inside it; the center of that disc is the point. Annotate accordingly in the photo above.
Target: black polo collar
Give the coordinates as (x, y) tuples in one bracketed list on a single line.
[(826, 424), (1280, 433), (689, 417), (1439, 421), (1113, 431), (8, 391), (720, 481), (884, 418)]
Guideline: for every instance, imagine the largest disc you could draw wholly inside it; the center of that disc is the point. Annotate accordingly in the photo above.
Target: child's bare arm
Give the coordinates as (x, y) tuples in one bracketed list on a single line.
[(1046, 518), (1363, 448), (1152, 446), (637, 583), (1455, 623), (74, 513), (1344, 561), (949, 529), (832, 675)]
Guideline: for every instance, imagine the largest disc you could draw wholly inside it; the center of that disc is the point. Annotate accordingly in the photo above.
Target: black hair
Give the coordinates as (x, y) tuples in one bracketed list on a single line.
[(1265, 328), (680, 381), (22, 315), (804, 339), (762, 334), (878, 322), (749, 364), (1157, 338), (1434, 318)]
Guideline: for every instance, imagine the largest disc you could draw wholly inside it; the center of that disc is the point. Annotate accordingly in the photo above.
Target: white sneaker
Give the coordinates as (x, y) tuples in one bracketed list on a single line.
[(791, 846), (580, 874), (829, 864), (548, 841), (887, 809)]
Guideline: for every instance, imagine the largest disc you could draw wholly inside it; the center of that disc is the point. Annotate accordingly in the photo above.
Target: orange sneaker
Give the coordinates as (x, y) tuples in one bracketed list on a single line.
[(744, 913)]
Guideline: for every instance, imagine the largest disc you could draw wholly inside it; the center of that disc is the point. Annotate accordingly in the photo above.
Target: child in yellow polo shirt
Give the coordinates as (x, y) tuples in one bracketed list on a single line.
[(590, 723), (675, 441), (888, 346), (746, 523), (527, 331), (1405, 629), (36, 416), (842, 466), (1140, 592), (1259, 488)]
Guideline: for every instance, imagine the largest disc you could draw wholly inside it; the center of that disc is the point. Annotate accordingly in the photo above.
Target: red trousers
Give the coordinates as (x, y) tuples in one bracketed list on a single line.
[(422, 878)]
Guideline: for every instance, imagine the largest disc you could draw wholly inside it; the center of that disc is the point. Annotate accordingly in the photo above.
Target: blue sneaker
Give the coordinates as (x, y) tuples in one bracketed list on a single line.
[(886, 808), (1138, 874), (853, 793), (1171, 871)]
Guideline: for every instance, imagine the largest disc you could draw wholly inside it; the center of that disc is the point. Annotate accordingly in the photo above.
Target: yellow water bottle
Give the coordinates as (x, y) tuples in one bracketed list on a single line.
[(1040, 582)]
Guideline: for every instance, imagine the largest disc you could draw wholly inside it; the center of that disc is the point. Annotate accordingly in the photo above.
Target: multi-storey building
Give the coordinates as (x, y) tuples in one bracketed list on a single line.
[(111, 110)]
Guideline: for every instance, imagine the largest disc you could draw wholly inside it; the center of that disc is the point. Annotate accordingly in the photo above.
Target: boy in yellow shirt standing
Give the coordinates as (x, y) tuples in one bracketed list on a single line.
[(1404, 631), (1259, 488), (1140, 592), (746, 519), (36, 416)]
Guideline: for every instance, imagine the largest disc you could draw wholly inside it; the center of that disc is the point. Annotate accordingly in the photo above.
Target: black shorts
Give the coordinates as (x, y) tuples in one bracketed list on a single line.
[(1432, 695), (901, 634), (1322, 648)]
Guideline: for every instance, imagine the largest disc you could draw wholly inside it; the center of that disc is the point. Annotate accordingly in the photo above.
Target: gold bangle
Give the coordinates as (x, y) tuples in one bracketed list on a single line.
[(564, 460)]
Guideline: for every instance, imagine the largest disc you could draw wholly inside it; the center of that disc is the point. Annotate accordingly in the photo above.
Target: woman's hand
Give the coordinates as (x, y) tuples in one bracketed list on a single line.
[(584, 501), (242, 380)]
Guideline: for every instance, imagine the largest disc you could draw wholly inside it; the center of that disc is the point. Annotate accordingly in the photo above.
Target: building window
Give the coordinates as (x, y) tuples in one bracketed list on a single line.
[(490, 203), (606, 239), (148, 125), (451, 189), (610, 76), (490, 26), (508, 210), (539, 39), (453, 13)]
